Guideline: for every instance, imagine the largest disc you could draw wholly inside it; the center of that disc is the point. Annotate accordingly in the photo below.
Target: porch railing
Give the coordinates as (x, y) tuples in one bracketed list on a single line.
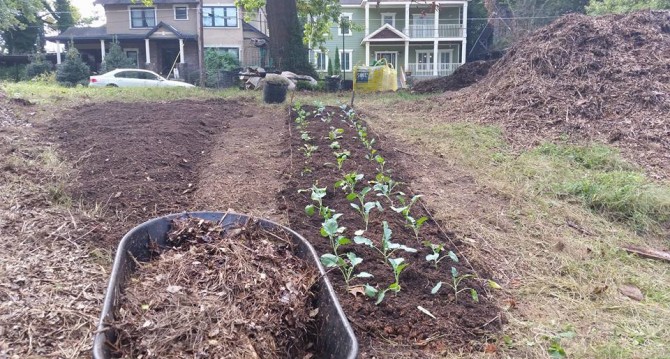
[(428, 31), (422, 70)]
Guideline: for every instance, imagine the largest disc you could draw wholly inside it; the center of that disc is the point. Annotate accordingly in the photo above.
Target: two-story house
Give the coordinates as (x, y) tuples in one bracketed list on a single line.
[(411, 35), (164, 35)]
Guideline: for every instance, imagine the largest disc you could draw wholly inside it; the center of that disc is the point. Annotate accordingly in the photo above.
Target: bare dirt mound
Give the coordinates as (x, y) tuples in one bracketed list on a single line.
[(596, 78), (140, 160), (464, 76)]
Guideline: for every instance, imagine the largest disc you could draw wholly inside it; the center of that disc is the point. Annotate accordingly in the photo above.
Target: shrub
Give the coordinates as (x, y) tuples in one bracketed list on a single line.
[(330, 67), (215, 62), (39, 65), (73, 71), (336, 69), (304, 85), (116, 59)]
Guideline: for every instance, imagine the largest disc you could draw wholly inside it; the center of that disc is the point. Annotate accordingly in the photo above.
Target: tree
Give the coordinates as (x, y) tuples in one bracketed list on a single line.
[(319, 16), (10, 10), (601, 7), (116, 59), (73, 71), (336, 68), (330, 67), (287, 47), (215, 62), (26, 37), (39, 65)]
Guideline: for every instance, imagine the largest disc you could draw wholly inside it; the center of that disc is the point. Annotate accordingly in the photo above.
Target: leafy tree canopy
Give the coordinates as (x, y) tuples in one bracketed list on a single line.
[(601, 7)]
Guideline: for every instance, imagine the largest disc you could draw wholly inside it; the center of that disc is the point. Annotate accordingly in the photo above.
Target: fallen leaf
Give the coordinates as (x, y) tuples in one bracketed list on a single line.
[(599, 289), (214, 332), (313, 312), (117, 195), (356, 290), (631, 292), (490, 348)]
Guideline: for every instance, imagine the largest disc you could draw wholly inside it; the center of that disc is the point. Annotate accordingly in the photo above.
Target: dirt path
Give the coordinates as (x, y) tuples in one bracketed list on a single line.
[(243, 172)]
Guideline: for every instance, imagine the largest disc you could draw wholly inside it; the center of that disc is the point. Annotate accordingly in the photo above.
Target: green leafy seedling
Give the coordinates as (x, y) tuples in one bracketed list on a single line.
[(387, 247), (349, 181), (436, 257), (317, 194), (304, 135), (456, 281), (346, 265), (335, 133), (335, 145), (410, 221), (398, 265), (385, 187), (365, 209), (341, 157), (308, 149)]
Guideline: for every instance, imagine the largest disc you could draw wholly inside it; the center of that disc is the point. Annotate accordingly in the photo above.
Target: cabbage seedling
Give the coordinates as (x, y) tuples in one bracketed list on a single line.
[(335, 145), (308, 149), (304, 135), (385, 188), (341, 157), (437, 250), (346, 266), (456, 280), (387, 247), (331, 230), (348, 183), (365, 209), (398, 266), (317, 195), (410, 221), (335, 133)]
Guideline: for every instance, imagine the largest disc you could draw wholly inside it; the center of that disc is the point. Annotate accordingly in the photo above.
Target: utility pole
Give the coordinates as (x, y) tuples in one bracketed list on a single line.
[(201, 46)]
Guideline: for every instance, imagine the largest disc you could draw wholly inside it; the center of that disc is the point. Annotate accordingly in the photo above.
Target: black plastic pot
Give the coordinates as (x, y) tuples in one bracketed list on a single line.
[(347, 85), (274, 93), (335, 338), (332, 84)]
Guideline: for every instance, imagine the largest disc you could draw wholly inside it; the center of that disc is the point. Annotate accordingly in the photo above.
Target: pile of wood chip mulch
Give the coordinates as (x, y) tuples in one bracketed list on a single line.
[(235, 294)]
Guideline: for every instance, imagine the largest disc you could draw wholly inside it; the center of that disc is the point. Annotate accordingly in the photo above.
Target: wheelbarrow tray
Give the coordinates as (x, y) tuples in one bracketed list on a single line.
[(335, 338)]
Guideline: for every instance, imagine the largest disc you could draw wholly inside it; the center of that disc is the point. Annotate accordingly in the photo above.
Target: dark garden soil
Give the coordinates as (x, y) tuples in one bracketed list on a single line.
[(136, 161), (234, 294), (396, 326)]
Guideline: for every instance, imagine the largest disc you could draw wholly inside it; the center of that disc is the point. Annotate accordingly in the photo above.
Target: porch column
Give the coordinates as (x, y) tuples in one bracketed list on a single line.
[(367, 18), (463, 33), (181, 51), (436, 23), (146, 51), (102, 49), (58, 60), (436, 58), (367, 53), (406, 55), (407, 19)]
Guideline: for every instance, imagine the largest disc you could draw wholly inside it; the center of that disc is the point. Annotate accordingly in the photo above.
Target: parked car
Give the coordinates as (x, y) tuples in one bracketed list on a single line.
[(133, 78)]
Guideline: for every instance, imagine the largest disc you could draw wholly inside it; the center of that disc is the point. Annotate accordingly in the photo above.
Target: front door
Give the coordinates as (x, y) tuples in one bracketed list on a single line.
[(168, 57), (424, 62), (390, 56)]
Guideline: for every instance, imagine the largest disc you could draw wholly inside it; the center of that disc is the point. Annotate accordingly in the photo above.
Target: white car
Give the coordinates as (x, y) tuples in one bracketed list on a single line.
[(133, 78)]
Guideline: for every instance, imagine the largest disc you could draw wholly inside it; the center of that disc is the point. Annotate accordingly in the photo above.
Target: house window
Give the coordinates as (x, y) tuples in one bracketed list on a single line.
[(346, 18), (388, 18), (235, 51), (133, 55), (320, 61), (345, 60), (219, 16), (181, 12), (142, 17)]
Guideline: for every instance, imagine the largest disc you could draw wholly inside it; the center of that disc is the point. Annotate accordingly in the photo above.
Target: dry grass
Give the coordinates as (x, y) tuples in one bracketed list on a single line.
[(559, 261), (51, 279)]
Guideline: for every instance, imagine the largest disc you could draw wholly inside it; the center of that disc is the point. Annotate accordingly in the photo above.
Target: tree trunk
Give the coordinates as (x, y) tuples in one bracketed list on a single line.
[(286, 47)]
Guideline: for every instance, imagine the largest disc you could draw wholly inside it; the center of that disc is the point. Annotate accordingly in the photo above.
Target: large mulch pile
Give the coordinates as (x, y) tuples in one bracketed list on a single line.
[(238, 294), (595, 78), (464, 76)]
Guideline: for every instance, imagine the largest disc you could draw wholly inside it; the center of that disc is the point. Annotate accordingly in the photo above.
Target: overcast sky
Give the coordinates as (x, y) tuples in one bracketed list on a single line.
[(86, 8)]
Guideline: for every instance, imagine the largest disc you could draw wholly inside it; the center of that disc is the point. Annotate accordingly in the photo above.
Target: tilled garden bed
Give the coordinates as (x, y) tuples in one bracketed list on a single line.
[(402, 281)]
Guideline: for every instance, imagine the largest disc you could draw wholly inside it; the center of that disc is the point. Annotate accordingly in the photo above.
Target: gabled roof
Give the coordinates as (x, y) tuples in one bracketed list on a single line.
[(384, 34), (168, 27), (248, 27)]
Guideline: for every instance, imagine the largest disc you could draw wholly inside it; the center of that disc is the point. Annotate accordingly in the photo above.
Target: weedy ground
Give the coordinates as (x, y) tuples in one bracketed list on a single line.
[(548, 219)]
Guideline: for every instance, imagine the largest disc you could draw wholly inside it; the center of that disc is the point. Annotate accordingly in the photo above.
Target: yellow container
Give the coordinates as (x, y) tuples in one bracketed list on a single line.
[(381, 77)]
